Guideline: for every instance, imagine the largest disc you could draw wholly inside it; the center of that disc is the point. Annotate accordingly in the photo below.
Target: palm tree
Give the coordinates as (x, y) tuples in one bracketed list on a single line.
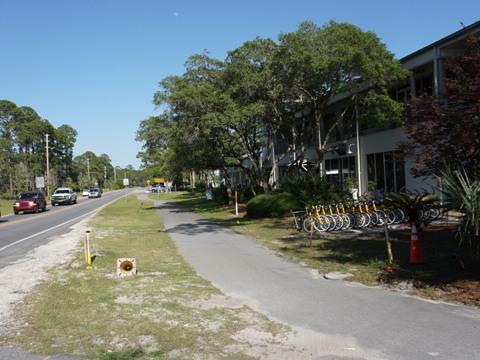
[(411, 204)]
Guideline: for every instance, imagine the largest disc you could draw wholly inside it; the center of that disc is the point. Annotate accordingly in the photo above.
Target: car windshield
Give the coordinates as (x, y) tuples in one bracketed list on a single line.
[(61, 192), (28, 196)]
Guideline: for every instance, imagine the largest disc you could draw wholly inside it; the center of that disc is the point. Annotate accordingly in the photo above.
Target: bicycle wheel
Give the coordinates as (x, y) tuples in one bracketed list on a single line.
[(323, 223), (360, 219), (368, 219), (309, 224), (347, 222), (332, 222), (399, 216), (390, 216), (382, 217), (373, 218), (435, 213), (298, 218), (338, 222)]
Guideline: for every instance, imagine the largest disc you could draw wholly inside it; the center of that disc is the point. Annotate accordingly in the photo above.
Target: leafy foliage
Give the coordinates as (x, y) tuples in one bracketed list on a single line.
[(272, 205), (310, 188), (230, 112), (462, 193), (23, 148), (411, 204), (444, 130), (339, 58)]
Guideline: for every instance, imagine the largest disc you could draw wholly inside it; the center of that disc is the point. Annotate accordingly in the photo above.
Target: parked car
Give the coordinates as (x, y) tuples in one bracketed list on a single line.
[(64, 196), (95, 193), (158, 188), (30, 201), (85, 192)]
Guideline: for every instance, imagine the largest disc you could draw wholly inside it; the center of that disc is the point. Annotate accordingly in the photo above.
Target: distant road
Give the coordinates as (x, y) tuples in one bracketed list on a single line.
[(21, 233)]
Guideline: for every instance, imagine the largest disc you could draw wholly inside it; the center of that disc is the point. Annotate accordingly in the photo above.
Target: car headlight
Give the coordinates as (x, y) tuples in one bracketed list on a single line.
[(17, 204), (31, 203)]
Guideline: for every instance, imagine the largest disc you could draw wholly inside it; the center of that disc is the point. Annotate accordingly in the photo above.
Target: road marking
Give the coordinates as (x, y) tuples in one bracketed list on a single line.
[(39, 214), (56, 226)]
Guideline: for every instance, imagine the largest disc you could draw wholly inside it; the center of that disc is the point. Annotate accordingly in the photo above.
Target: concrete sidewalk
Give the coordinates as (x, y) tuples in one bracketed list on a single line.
[(373, 321)]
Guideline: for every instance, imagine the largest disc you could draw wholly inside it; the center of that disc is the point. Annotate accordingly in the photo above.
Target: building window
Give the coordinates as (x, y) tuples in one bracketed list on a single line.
[(424, 86), (386, 171), (330, 122), (403, 94), (338, 170)]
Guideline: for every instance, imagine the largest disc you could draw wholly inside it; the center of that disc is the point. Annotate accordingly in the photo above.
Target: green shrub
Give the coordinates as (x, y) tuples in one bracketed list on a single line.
[(308, 187), (462, 193), (220, 195), (272, 205)]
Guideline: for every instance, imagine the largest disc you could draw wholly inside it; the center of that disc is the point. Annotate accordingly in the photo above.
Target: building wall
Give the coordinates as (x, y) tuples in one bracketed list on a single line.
[(427, 75)]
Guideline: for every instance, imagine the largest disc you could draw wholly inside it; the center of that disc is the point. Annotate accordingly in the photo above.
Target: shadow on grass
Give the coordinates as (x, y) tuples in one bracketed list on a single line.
[(437, 247), (366, 252)]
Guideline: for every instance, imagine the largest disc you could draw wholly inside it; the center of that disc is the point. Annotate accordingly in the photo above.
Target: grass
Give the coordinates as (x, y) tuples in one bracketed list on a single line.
[(6, 206), (364, 256), (167, 311), (164, 311)]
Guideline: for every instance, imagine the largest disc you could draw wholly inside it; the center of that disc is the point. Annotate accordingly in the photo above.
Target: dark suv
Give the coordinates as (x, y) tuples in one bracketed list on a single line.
[(30, 201)]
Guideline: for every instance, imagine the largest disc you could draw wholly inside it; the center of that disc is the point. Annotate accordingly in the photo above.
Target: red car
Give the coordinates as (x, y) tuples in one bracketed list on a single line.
[(30, 201)]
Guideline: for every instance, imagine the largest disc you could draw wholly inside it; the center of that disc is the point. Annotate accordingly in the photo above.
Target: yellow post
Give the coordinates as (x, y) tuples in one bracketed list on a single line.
[(88, 255)]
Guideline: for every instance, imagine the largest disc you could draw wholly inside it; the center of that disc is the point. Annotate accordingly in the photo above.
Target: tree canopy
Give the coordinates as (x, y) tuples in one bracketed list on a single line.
[(444, 130), (227, 112), (23, 149)]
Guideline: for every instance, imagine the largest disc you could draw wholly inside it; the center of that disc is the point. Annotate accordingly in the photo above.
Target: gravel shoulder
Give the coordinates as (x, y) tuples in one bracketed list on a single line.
[(21, 277)]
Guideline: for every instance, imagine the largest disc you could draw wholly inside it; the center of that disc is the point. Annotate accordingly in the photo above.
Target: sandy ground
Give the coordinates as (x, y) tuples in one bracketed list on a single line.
[(20, 278)]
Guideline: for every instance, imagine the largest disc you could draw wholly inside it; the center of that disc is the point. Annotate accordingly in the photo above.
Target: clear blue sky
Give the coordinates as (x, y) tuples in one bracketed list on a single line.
[(95, 64)]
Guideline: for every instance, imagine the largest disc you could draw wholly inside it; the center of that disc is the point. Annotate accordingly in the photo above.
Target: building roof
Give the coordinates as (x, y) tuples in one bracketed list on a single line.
[(462, 33)]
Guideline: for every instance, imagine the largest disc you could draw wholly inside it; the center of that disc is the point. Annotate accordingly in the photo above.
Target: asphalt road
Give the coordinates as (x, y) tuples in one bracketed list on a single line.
[(21, 233), (384, 324)]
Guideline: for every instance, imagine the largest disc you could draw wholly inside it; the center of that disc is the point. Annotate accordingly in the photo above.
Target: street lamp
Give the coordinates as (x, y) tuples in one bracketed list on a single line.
[(350, 152), (359, 173)]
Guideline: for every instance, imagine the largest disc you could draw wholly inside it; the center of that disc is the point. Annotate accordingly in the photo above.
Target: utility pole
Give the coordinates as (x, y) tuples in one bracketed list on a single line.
[(88, 171), (48, 166)]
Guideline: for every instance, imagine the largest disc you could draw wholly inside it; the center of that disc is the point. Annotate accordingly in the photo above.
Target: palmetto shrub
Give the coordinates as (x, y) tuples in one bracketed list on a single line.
[(308, 187), (411, 204), (272, 205), (462, 194)]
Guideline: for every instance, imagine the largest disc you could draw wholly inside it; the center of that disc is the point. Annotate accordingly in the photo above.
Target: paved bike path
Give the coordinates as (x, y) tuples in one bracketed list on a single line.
[(381, 323)]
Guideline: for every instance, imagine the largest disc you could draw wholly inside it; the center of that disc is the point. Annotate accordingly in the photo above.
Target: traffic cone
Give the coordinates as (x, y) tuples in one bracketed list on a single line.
[(415, 253)]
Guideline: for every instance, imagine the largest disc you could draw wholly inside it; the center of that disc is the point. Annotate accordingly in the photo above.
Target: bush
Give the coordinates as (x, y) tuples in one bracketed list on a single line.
[(462, 193), (272, 205), (307, 187), (7, 196), (220, 195)]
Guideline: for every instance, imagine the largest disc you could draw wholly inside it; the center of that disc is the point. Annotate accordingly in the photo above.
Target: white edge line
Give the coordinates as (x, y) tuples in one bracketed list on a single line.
[(56, 226)]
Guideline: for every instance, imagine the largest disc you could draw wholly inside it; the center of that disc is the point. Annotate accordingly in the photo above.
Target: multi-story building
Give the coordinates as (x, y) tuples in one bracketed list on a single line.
[(370, 155)]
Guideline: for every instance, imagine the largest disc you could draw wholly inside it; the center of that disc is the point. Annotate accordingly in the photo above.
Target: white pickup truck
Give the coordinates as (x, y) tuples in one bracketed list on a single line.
[(64, 196)]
